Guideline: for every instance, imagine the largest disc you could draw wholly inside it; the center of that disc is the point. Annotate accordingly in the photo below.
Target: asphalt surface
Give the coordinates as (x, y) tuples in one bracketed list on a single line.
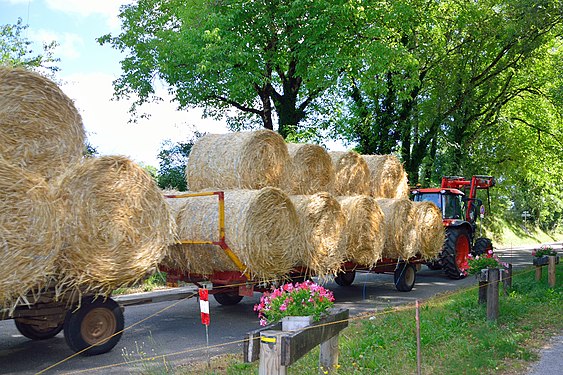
[(172, 331)]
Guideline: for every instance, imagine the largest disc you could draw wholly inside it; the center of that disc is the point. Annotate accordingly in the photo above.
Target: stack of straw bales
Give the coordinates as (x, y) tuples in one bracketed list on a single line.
[(365, 229), (322, 236), (243, 160), (429, 229), (260, 228), (29, 236), (310, 170), (388, 178), (40, 128), (351, 173), (117, 225)]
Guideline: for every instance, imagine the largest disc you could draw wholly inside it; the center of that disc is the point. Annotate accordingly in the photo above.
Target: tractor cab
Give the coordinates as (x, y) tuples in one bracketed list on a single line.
[(450, 201)]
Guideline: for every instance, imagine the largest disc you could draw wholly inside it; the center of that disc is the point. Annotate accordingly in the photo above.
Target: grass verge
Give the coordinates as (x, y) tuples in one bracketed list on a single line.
[(455, 336)]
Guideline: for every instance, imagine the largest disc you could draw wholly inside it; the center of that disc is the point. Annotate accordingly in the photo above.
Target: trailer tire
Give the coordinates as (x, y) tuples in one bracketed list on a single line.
[(95, 328), (227, 298), (404, 277), (482, 245), (345, 278), (36, 333), (455, 254)]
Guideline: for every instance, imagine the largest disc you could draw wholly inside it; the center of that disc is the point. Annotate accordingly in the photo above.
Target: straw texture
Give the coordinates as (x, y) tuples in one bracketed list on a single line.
[(351, 173), (117, 225), (323, 232), (398, 215), (365, 229), (429, 229), (29, 237), (388, 178), (311, 170), (242, 160), (260, 228), (40, 128)]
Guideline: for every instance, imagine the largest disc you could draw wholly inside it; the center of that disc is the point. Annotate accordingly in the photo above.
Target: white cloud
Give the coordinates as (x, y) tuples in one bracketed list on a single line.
[(106, 121), (106, 8), (68, 42)]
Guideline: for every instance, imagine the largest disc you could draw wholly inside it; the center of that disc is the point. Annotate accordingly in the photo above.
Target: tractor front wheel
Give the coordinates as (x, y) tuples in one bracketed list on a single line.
[(482, 246), (455, 253)]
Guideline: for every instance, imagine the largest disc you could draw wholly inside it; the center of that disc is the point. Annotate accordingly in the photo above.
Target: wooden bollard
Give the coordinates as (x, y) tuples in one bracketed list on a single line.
[(492, 294), (482, 292), (551, 271), (328, 357), (270, 353), (507, 278), (538, 273)]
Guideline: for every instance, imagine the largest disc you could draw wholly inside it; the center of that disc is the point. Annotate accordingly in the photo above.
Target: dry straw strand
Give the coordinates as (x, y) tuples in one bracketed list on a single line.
[(260, 228), (399, 223), (240, 160), (323, 238), (388, 178), (429, 229), (29, 236), (117, 225), (40, 128), (311, 170), (365, 229), (351, 173)]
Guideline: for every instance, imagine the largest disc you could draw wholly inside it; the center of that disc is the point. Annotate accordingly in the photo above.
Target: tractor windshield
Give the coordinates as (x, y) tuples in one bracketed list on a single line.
[(450, 204)]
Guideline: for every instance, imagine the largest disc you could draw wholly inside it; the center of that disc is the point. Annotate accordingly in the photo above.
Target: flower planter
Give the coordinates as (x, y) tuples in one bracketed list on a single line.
[(544, 260), (295, 323)]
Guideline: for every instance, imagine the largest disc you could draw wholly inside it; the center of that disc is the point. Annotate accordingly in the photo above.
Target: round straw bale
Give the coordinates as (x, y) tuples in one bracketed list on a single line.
[(117, 224), (398, 227), (351, 173), (388, 178), (260, 227), (241, 160), (40, 128), (29, 236), (430, 232), (311, 170), (323, 232), (365, 229)]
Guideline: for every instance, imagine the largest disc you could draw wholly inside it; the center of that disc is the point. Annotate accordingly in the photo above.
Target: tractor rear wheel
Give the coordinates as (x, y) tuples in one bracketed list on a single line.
[(455, 253), (482, 245)]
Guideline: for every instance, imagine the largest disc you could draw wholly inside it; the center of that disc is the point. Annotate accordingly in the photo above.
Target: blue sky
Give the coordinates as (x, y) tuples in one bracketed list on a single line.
[(87, 72)]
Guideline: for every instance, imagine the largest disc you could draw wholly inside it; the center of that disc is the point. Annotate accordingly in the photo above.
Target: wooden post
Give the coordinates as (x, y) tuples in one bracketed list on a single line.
[(538, 273), (482, 292), (328, 357), (507, 279), (551, 271), (492, 294), (270, 353)]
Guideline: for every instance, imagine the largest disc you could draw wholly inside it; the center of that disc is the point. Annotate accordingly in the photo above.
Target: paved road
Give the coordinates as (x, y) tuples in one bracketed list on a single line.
[(177, 333)]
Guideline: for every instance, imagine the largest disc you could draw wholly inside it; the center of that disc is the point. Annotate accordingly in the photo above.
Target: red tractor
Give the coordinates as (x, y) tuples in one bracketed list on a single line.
[(457, 198)]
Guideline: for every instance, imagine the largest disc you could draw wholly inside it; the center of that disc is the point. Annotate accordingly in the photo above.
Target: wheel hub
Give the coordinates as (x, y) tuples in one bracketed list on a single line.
[(97, 325)]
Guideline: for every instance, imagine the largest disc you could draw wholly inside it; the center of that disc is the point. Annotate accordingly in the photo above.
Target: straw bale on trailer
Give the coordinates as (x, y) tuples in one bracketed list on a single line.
[(40, 128), (241, 160), (260, 227), (322, 224), (29, 237), (429, 229), (311, 170), (398, 220), (365, 229), (117, 224), (351, 173), (388, 178)]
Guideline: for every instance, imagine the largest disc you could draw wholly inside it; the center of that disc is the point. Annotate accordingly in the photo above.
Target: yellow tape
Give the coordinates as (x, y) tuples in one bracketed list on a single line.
[(268, 339)]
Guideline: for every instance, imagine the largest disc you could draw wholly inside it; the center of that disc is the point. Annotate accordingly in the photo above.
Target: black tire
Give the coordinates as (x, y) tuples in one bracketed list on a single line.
[(404, 277), (96, 321), (434, 265), (37, 333), (455, 253), (345, 278), (227, 298), (482, 245)]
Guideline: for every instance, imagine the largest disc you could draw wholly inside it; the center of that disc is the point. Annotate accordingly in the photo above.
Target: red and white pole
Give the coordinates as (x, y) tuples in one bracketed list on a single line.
[(204, 305)]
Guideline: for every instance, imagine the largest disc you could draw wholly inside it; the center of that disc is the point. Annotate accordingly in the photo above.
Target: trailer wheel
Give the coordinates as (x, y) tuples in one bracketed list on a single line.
[(345, 278), (36, 332), (482, 245), (404, 277), (227, 298), (96, 326)]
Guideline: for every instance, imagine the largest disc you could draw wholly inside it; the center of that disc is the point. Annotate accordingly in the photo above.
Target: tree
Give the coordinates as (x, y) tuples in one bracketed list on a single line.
[(15, 50), (264, 59), (173, 158)]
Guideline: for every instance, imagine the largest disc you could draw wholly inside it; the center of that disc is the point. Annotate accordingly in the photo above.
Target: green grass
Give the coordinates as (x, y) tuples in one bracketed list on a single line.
[(506, 234), (456, 337)]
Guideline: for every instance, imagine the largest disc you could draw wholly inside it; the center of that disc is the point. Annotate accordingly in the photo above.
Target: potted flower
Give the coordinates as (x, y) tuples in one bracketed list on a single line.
[(483, 262), (307, 301), (541, 255)]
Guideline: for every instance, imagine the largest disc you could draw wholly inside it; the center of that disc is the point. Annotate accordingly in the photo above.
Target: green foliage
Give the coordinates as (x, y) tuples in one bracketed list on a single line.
[(481, 262), (173, 158)]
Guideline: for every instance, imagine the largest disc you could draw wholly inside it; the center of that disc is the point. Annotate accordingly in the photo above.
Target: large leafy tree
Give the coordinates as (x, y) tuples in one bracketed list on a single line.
[(256, 61), (173, 158)]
